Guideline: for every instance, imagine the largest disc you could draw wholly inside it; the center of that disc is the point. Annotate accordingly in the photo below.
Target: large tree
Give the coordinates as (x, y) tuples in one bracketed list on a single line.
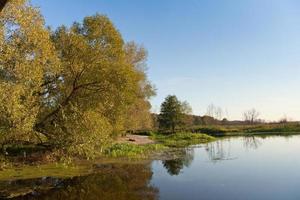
[(173, 113), (74, 87), (102, 80)]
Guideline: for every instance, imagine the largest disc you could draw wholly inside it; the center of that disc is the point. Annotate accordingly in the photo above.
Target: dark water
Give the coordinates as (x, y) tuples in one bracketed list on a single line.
[(234, 168)]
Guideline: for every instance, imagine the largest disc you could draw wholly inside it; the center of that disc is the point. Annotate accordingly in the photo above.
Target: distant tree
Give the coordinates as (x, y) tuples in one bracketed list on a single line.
[(207, 120), (197, 120), (188, 119), (173, 113), (215, 112), (283, 120), (186, 108), (251, 116), (210, 111), (155, 121), (224, 121)]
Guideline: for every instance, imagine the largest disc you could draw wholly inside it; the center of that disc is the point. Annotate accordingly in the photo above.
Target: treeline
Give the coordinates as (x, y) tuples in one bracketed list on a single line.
[(72, 88), (176, 116)]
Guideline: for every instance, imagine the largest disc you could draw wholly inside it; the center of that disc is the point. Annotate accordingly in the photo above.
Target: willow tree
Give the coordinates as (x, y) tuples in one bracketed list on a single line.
[(138, 113), (74, 87), (100, 81), (27, 58)]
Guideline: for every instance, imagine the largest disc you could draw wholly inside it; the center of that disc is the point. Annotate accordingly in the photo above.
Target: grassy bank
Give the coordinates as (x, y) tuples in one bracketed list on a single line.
[(181, 139), (162, 142), (241, 130), (117, 152), (126, 150)]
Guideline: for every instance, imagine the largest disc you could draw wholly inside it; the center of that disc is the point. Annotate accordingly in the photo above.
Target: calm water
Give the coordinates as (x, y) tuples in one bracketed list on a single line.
[(234, 168)]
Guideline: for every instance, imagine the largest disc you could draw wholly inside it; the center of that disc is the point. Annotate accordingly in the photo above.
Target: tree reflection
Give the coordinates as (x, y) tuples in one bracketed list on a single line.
[(119, 182), (217, 151), (221, 149), (252, 142), (175, 166)]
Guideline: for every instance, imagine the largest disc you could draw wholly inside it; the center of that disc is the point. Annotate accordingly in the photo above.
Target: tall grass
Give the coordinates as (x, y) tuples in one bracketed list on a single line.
[(182, 139), (132, 150)]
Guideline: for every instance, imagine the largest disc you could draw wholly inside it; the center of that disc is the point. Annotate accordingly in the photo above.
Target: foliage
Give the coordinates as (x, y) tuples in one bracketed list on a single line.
[(84, 134), (27, 56), (73, 88), (173, 113), (4, 163)]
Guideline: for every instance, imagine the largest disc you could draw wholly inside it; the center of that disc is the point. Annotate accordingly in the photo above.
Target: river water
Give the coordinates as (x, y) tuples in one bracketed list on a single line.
[(242, 168)]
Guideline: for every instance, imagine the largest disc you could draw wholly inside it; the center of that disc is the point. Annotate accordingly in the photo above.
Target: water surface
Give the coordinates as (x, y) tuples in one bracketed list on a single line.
[(231, 168)]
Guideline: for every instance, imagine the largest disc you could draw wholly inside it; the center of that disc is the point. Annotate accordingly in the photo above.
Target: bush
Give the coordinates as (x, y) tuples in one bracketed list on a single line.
[(86, 136)]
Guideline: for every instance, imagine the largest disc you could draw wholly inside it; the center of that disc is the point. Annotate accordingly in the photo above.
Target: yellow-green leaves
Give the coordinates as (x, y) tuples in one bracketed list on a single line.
[(76, 86), (27, 55)]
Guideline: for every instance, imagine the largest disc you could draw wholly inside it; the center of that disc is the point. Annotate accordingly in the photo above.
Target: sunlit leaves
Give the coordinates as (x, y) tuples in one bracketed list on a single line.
[(76, 86), (27, 54)]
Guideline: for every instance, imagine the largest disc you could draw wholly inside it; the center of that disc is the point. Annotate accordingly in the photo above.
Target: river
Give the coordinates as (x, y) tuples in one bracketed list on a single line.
[(240, 168)]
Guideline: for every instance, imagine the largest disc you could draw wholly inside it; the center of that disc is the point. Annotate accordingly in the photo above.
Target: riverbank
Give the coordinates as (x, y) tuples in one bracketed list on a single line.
[(132, 148), (136, 146), (142, 146), (242, 130), (115, 178)]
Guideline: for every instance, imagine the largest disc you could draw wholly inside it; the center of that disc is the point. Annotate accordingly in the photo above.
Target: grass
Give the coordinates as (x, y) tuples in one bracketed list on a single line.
[(279, 128), (163, 142), (182, 139), (240, 130), (132, 150)]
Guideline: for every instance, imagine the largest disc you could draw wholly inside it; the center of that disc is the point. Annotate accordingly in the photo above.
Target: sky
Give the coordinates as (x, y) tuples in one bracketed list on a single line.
[(234, 54)]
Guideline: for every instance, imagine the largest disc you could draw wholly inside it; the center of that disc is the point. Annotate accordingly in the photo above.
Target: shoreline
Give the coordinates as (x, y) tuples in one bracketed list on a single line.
[(79, 167)]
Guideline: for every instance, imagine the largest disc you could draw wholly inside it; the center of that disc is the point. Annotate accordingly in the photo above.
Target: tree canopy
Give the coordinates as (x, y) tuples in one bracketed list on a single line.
[(173, 113), (74, 87)]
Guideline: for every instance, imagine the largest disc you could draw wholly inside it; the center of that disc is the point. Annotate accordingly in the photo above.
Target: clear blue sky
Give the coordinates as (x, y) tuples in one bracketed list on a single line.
[(237, 54)]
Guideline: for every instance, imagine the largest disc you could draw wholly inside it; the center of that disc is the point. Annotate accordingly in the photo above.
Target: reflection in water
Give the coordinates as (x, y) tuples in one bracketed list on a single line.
[(217, 152), (130, 182), (263, 168), (221, 149), (252, 142), (176, 165), (224, 180)]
